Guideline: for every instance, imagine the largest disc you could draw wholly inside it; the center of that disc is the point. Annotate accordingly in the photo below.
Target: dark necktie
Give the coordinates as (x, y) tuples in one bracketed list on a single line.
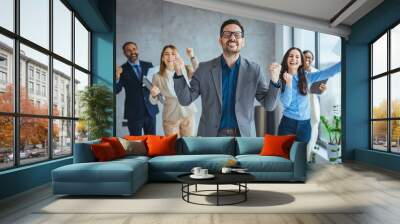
[(138, 71)]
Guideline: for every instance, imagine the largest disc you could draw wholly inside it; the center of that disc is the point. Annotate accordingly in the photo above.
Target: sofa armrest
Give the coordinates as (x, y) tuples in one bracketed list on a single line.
[(83, 152), (298, 155)]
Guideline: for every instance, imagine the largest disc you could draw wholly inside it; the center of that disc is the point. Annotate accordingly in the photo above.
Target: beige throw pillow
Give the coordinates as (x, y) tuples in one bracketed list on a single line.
[(136, 147)]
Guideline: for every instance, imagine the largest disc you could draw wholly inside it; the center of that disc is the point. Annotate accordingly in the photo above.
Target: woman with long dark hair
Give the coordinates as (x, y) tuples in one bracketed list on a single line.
[(295, 82)]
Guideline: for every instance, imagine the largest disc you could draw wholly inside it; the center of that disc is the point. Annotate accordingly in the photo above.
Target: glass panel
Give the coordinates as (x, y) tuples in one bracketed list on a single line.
[(81, 45), (62, 29), (379, 98), (395, 47), (379, 135), (35, 21), (6, 74), (34, 97), (6, 142), (330, 50), (304, 39), (81, 131), (81, 81), (62, 138), (7, 14), (62, 89), (395, 95), (33, 139), (379, 56), (395, 136), (330, 101)]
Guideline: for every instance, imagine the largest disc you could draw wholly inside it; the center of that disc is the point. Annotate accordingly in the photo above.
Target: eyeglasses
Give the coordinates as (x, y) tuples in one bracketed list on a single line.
[(228, 34)]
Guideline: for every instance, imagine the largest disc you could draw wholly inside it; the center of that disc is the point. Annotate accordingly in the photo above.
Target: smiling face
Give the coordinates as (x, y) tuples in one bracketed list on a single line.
[(308, 60), (131, 52), (169, 57), (294, 60), (231, 39)]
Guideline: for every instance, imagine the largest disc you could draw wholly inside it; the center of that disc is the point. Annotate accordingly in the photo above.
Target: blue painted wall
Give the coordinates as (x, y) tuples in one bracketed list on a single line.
[(99, 15), (357, 85)]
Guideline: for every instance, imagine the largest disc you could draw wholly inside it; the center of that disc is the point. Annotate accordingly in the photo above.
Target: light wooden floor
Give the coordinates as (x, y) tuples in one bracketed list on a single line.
[(377, 188)]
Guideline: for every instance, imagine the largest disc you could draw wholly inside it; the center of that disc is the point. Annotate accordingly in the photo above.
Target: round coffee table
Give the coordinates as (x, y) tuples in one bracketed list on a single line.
[(238, 179)]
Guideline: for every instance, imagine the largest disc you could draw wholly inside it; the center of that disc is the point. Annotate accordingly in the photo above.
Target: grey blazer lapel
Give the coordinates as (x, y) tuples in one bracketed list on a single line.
[(217, 76), (241, 80)]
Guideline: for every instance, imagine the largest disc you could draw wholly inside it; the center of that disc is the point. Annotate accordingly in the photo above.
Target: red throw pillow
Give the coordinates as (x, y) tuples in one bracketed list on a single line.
[(103, 152), (277, 145), (116, 145), (161, 145)]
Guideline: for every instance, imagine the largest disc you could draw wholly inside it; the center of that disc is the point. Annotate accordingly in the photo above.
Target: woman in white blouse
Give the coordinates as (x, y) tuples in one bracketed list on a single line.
[(177, 119)]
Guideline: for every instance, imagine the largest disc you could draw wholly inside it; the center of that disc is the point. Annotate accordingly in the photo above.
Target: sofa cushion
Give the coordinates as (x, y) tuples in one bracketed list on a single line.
[(206, 145), (249, 145), (185, 163), (103, 152), (161, 145), (257, 163), (112, 171), (277, 145), (134, 147), (83, 152), (116, 145)]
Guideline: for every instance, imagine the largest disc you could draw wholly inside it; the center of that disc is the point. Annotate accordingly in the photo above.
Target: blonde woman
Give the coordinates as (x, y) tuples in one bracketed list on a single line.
[(177, 119)]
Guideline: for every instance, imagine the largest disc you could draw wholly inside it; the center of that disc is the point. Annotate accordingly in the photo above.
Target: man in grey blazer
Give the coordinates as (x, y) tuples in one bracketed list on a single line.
[(228, 85)]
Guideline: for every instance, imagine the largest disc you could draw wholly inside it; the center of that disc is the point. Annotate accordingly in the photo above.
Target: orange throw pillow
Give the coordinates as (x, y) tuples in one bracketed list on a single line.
[(277, 145), (103, 152), (161, 145), (134, 138), (116, 145)]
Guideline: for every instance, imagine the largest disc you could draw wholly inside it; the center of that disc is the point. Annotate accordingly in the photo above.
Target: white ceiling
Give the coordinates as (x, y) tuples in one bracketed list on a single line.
[(314, 15)]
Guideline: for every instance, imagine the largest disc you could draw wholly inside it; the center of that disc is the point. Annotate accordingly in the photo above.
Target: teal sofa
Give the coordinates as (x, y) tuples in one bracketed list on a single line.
[(125, 176)]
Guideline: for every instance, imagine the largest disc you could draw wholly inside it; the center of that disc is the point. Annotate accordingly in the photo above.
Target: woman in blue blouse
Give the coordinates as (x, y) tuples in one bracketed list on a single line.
[(295, 82)]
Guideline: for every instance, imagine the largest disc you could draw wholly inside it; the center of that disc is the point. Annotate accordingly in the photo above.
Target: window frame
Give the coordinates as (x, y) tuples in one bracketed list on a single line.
[(16, 115), (388, 74)]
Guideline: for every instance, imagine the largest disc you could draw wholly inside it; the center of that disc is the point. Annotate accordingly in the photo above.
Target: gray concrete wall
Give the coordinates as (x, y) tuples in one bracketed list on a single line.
[(155, 23)]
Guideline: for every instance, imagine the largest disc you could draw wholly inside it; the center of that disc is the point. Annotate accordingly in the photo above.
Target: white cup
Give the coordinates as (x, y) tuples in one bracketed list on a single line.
[(196, 171), (226, 170), (203, 172)]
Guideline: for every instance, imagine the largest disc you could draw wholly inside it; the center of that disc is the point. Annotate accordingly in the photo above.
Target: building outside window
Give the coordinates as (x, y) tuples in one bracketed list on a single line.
[(56, 134), (385, 96)]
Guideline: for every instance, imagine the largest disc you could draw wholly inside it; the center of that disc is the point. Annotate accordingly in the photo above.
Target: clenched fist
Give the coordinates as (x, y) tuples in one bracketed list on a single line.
[(178, 64), (288, 79), (154, 91), (118, 72), (189, 52), (274, 70)]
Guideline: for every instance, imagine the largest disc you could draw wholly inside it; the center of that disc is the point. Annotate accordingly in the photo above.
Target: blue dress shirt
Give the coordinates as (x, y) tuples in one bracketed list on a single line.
[(297, 106), (229, 81)]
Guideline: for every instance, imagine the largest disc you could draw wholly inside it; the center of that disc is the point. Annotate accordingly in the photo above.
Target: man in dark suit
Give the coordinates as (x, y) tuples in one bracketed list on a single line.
[(139, 112)]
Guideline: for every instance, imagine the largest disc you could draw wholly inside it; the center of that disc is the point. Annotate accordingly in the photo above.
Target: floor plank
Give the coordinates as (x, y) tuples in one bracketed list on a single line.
[(376, 189)]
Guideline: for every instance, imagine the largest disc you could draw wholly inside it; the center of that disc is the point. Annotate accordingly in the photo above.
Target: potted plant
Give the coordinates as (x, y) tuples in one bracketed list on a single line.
[(96, 102), (334, 131)]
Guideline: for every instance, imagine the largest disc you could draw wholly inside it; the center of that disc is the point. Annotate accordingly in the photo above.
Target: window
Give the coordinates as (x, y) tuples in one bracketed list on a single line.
[(385, 96), (30, 87), (7, 14), (62, 29), (81, 45), (46, 75), (34, 21), (6, 73), (3, 78)]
